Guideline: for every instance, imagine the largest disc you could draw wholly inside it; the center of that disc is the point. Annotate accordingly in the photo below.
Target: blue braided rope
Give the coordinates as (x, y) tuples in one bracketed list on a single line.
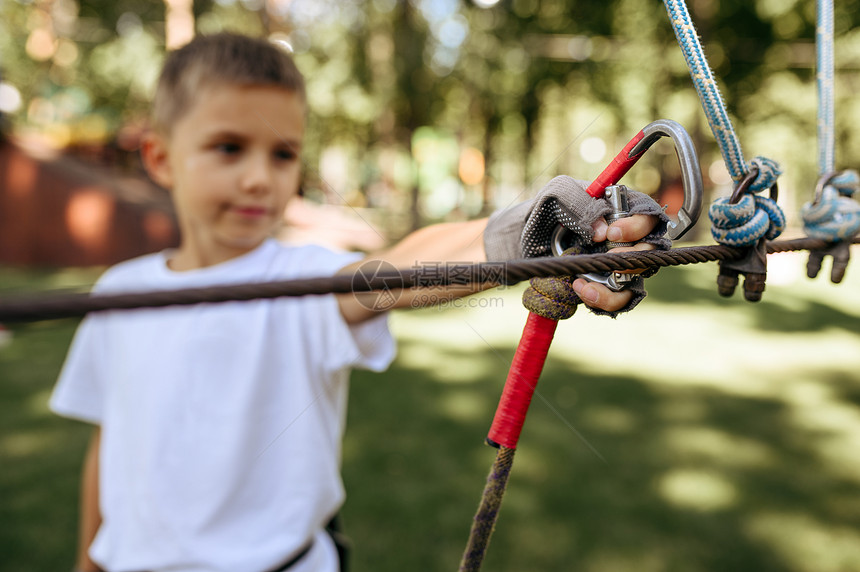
[(824, 82), (775, 216), (847, 182), (833, 216), (745, 222), (771, 221), (706, 87)]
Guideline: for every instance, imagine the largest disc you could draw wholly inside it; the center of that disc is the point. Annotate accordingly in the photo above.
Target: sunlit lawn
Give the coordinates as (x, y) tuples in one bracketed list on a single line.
[(697, 433)]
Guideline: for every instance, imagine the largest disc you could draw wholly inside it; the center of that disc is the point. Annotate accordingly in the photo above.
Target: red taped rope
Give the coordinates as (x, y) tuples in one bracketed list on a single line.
[(522, 381)]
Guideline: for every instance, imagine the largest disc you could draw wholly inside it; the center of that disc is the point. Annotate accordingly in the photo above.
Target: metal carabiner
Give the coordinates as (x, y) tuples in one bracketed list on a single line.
[(744, 187), (691, 174), (691, 178)]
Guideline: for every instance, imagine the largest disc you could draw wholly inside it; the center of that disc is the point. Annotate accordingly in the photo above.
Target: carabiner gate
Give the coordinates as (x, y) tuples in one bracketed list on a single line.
[(691, 174), (691, 178)]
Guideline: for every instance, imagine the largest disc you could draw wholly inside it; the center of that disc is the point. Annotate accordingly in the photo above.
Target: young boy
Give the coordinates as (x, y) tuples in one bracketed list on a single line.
[(217, 445)]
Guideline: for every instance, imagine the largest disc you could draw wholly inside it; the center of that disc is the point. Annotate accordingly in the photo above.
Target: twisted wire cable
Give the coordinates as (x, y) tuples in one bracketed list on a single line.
[(67, 305)]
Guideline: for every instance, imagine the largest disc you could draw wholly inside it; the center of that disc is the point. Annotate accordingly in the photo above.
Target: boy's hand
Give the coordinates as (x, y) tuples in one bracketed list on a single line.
[(630, 229), (525, 231)]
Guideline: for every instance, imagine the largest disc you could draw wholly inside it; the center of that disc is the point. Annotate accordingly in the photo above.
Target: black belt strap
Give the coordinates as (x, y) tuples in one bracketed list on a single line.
[(341, 543), (295, 558)]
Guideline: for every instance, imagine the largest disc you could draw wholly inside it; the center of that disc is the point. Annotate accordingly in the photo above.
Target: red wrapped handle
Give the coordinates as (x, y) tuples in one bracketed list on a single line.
[(617, 168), (522, 381)]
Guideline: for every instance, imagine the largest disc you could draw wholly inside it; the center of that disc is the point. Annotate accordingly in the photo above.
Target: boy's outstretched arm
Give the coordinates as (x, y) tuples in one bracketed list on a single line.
[(460, 242), (463, 242)]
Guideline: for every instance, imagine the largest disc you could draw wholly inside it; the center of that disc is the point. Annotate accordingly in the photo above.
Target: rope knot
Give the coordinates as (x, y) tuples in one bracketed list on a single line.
[(847, 182), (744, 218), (745, 222), (833, 215), (768, 172), (553, 297)]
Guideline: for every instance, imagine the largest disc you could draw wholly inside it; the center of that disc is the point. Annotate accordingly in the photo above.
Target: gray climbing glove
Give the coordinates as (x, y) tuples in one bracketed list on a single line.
[(525, 229)]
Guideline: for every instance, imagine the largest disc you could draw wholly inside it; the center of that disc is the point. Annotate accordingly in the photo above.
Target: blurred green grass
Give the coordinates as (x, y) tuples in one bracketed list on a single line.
[(696, 433)]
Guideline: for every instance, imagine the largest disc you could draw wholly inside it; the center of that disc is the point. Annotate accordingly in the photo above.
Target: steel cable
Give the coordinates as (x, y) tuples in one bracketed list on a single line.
[(50, 306)]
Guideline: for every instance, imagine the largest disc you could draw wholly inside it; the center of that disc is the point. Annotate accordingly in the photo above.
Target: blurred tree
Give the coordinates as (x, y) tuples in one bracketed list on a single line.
[(535, 87)]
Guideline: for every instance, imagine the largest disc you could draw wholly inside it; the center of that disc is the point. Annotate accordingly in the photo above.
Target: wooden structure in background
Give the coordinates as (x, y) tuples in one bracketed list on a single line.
[(63, 211)]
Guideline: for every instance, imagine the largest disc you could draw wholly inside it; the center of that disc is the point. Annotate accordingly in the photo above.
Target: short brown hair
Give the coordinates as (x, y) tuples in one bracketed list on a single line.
[(219, 58)]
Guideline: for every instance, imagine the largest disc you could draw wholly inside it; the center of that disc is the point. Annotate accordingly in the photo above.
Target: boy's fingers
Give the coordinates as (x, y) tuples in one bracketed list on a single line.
[(599, 228), (599, 296), (631, 229)]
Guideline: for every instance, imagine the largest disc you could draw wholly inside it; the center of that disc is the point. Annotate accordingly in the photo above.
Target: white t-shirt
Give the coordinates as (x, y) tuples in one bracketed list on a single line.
[(221, 423)]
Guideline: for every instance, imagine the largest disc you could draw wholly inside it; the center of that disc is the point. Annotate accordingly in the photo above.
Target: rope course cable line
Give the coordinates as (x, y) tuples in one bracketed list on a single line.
[(67, 305)]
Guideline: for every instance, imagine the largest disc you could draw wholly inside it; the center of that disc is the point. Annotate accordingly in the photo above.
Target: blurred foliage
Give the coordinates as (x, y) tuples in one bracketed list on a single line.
[(531, 85)]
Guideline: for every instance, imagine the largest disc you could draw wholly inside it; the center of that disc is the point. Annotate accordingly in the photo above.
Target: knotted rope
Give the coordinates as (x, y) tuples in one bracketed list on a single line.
[(835, 218), (548, 300), (746, 222), (739, 221), (553, 297), (833, 215)]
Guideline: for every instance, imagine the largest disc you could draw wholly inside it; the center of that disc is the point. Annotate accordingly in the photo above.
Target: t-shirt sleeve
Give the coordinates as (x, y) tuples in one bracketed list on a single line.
[(366, 345), (79, 392)]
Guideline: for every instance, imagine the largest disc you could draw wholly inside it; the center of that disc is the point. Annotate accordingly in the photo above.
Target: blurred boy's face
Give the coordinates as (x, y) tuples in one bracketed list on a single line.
[(232, 163)]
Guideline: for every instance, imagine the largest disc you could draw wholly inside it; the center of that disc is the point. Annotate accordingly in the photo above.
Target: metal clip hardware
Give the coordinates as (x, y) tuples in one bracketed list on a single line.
[(753, 265), (841, 250), (604, 186), (841, 253), (616, 196)]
